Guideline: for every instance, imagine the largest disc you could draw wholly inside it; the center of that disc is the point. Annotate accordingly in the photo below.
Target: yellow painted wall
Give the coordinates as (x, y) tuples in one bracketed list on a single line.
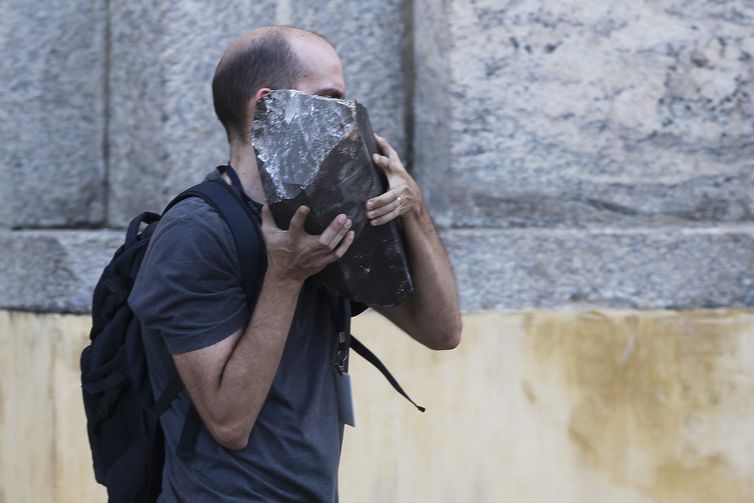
[(44, 455), (569, 406)]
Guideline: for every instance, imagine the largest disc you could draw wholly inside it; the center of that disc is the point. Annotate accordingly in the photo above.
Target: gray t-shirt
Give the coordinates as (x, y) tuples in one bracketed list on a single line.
[(188, 295)]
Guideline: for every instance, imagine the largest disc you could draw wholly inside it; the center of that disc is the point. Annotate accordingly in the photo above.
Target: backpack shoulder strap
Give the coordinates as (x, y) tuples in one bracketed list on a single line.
[(238, 216), (242, 222), (365, 353)]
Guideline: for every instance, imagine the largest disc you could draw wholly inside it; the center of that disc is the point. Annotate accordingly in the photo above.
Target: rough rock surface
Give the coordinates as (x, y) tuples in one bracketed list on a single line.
[(585, 114), (316, 152), (53, 271), (502, 270), (587, 152), (512, 269), (164, 135), (52, 113)]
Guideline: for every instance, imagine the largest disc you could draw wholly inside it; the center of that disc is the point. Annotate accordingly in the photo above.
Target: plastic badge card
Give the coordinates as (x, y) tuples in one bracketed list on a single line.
[(346, 411)]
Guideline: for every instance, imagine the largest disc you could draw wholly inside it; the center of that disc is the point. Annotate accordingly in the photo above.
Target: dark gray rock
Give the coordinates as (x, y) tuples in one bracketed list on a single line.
[(317, 152)]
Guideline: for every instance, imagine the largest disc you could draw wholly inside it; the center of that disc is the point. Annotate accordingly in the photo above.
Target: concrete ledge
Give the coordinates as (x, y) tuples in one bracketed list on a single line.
[(641, 269), (501, 270), (53, 271)]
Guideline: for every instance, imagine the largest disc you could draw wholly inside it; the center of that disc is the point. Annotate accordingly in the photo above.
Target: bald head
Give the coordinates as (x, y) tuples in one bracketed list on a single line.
[(264, 57)]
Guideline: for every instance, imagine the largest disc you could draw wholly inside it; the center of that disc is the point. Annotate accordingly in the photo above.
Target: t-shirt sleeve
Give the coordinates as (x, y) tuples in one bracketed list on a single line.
[(188, 287)]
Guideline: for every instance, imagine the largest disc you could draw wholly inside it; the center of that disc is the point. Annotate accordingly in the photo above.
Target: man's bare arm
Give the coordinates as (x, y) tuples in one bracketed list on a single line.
[(228, 382), (431, 312)]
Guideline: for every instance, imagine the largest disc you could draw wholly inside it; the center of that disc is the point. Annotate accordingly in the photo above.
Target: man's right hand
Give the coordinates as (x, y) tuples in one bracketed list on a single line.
[(229, 381), (295, 254)]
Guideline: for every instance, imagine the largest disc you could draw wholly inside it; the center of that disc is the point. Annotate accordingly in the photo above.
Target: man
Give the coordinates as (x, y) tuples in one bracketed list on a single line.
[(263, 382)]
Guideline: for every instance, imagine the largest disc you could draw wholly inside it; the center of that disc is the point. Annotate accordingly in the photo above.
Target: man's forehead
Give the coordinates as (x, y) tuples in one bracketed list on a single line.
[(298, 38), (323, 69), (309, 44)]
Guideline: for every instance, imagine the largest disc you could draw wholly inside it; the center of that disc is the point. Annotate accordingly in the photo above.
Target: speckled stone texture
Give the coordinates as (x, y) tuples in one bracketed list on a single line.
[(53, 271), (164, 135), (52, 117), (502, 270), (513, 269), (573, 153), (585, 114)]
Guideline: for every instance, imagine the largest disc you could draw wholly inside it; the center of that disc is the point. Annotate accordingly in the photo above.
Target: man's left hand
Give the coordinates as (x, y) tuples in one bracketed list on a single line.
[(403, 196)]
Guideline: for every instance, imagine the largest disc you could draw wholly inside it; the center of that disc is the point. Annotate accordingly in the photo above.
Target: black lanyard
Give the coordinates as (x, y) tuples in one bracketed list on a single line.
[(338, 308), (255, 207)]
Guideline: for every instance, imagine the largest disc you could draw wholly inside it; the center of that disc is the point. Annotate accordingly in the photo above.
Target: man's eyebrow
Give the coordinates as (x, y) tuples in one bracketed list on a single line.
[(330, 91)]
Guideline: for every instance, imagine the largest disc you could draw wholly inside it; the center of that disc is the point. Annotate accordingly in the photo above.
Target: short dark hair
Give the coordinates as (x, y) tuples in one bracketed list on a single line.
[(266, 61)]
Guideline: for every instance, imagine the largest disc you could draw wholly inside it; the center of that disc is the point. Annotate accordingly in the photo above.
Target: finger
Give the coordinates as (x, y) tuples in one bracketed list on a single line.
[(382, 162), (335, 241), (268, 221), (298, 219), (344, 245), (382, 210), (332, 230), (387, 150), (338, 252), (384, 199), (388, 217), (388, 165)]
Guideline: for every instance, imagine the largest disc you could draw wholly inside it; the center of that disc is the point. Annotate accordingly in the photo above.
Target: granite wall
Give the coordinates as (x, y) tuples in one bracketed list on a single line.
[(575, 155), (108, 112), (590, 152), (53, 69), (163, 134)]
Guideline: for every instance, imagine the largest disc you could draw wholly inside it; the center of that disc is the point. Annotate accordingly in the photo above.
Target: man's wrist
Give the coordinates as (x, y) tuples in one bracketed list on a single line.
[(283, 281), (418, 214)]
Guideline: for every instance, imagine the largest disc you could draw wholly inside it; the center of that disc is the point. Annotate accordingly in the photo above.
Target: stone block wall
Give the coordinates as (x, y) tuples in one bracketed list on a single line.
[(108, 113), (52, 114), (163, 132), (590, 114), (589, 165), (596, 152), (572, 153)]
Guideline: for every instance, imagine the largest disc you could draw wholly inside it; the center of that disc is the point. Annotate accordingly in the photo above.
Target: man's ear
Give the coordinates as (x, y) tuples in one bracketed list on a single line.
[(252, 105), (262, 92)]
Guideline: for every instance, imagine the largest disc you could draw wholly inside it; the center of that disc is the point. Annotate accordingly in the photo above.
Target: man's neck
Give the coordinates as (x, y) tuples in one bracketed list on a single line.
[(244, 161)]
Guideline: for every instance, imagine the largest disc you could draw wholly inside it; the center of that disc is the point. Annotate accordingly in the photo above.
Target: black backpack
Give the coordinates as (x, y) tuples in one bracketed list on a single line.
[(122, 412)]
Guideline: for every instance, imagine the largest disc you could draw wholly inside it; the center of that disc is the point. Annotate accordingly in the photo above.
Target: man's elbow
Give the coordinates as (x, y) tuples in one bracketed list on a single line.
[(448, 338), (232, 437), (233, 443)]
